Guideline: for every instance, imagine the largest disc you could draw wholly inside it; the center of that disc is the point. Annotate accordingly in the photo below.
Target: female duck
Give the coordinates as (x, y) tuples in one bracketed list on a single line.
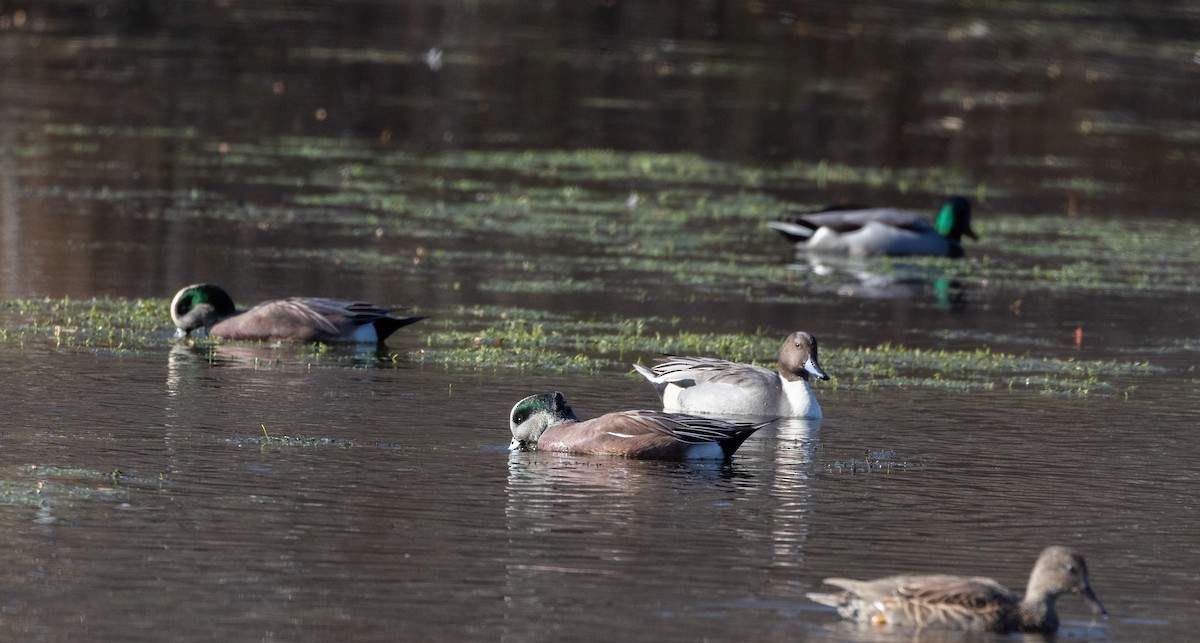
[(305, 319), (718, 387), (966, 603), (876, 232), (545, 422)]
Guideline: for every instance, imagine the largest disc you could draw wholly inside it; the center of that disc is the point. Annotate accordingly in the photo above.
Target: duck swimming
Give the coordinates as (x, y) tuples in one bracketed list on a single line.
[(545, 422), (304, 319), (712, 386), (973, 603), (876, 232)]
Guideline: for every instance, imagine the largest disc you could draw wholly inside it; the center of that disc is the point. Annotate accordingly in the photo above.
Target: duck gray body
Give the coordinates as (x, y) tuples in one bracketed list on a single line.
[(714, 386), (305, 319), (875, 232), (545, 422), (965, 603)]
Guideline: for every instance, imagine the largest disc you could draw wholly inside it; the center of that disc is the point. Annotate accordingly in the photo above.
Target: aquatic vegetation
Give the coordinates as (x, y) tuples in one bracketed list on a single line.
[(881, 460), (113, 325), (516, 338), (50, 486), (293, 441)]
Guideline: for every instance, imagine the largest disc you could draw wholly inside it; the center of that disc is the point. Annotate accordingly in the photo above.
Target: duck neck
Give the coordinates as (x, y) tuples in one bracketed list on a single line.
[(1037, 612), (789, 375)]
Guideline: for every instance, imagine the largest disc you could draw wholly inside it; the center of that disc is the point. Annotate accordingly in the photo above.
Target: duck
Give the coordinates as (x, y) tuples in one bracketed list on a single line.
[(861, 232), (975, 604), (545, 422), (304, 319), (712, 386)]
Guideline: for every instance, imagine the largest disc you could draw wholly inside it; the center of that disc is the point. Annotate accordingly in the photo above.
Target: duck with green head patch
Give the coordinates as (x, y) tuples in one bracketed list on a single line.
[(545, 422), (969, 603), (306, 319), (878, 232)]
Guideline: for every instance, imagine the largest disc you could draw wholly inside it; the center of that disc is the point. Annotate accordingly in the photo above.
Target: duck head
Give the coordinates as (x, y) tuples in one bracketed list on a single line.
[(954, 219), (798, 358), (531, 417), (200, 306)]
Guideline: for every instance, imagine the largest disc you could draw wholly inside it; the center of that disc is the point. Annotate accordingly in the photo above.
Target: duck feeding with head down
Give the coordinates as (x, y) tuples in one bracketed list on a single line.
[(544, 422), (209, 308)]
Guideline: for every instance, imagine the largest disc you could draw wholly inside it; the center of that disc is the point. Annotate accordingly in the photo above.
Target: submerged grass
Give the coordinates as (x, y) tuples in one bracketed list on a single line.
[(56, 487), (535, 340), (875, 460), (636, 225), (502, 338)]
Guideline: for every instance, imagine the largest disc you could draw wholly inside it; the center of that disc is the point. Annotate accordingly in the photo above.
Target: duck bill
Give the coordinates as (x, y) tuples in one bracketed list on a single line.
[(1090, 598), (970, 234), (815, 369), (520, 445)]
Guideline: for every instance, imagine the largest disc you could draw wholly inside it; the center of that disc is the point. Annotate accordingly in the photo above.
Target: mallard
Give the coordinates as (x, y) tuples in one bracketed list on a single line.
[(875, 232)]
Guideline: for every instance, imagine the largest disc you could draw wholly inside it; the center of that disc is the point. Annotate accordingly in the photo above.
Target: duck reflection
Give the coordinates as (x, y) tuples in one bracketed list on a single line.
[(264, 355), (582, 529), (587, 529), (788, 446), (885, 279)]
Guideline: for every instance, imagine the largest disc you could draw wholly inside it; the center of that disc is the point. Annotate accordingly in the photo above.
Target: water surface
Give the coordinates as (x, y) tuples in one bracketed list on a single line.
[(565, 188)]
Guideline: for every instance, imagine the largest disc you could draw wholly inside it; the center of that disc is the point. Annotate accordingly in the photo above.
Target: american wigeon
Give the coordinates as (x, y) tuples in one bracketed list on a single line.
[(545, 422), (966, 603), (718, 387), (305, 319), (875, 232)]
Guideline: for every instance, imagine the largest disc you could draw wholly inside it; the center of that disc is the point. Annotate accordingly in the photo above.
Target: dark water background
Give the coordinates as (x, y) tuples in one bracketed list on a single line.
[(144, 146)]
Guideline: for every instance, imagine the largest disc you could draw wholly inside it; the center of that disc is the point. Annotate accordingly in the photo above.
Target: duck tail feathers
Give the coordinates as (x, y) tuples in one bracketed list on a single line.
[(658, 384), (832, 600), (385, 326), (793, 232)]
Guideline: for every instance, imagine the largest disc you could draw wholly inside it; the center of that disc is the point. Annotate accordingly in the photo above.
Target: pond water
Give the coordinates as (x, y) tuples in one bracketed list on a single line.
[(566, 188)]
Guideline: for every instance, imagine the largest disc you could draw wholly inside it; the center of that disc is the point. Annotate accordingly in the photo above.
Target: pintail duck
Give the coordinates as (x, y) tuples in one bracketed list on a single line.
[(545, 422), (718, 387), (966, 603), (305, 319), (876, 232)]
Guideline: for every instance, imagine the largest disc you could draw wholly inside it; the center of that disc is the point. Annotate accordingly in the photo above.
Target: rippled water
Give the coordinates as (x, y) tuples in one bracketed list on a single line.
[(452, 156)]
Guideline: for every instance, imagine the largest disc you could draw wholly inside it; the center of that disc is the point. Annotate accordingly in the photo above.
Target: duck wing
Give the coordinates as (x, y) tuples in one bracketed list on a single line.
[(691, 371), (689, 429), (843, 221), (648, 434), (972, 603)]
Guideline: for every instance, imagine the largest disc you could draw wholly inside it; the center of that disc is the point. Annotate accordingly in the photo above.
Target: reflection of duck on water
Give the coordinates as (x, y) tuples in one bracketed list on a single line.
[(903, 282), (264, 356), (877, 232)]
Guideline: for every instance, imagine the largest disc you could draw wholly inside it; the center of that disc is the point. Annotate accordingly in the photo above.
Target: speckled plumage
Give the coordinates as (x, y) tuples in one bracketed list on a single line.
[(965, 603)]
